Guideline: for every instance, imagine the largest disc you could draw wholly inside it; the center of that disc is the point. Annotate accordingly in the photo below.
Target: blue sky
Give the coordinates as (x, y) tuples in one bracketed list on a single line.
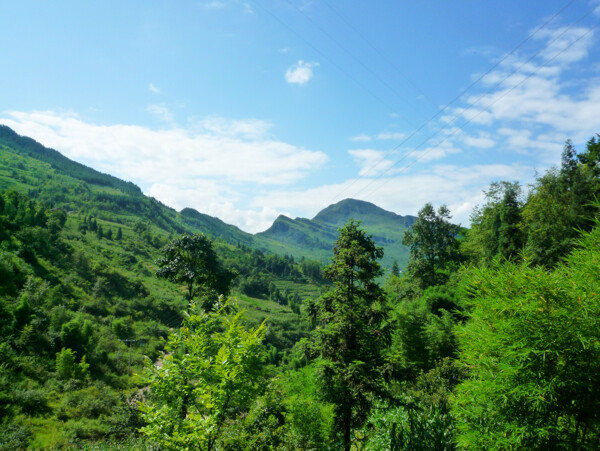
[(249, 109)]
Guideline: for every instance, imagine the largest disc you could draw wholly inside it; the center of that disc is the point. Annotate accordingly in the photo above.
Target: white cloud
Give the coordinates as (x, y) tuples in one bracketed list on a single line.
[(531, 105), (361, 138), (153, 89), (481, 141), (301, 72), (249, 128), (215, 4), (458, 187), (205, 166), (371, 162), (566, 45), (390, 136), (430, 153), (161, 112), (383, 136)]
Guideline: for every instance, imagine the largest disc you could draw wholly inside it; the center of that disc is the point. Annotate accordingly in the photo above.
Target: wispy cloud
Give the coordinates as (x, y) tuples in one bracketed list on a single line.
[(566, 45), (248, 128), (371, 162), (394, 136), (301, 72), (153, 88), (361, 138), (161, 112), (531, 105), (214, 4), (206, 165), (458, 187), (383, 136)]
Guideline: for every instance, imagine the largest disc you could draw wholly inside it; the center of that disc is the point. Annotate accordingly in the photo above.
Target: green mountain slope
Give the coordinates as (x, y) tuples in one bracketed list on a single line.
[(28, 166), (77, 264), (48, 176), (314, 238)]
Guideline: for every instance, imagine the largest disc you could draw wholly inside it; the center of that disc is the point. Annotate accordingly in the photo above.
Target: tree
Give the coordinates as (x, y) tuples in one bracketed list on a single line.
[(211, 371), (67, 368), (192, 261), (395, 269), (533, 354), (560, 205), (352, 333), (495, 227), (433, 244)]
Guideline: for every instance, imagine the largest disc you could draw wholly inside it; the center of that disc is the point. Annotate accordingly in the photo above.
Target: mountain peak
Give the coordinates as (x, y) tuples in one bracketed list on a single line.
[(346, 209)]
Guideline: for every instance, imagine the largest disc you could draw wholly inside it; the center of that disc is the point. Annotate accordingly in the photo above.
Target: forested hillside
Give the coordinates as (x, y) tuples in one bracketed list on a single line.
[(50, 177), (114, 335), (81, 307)]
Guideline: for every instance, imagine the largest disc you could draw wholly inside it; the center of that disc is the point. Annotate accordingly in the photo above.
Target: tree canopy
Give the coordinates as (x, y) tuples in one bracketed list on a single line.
[(352, 332), (211, 368), (192, 261), (433, 244)]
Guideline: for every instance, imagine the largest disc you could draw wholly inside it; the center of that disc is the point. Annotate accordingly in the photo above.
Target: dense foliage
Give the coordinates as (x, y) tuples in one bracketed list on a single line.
[(488, 340), (352, 332), (210, 369), (532, 345)]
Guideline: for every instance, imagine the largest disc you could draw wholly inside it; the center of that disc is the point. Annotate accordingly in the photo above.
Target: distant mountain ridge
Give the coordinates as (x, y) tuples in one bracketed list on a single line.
[(299, 237), (315, 237), (32, 148)]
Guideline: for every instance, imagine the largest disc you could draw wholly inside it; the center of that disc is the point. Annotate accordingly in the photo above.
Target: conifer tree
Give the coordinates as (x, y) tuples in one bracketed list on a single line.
[(433, 246), (352, 333), (395, 268)]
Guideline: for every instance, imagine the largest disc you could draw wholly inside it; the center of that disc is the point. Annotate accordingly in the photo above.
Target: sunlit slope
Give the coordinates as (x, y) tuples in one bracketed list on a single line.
[(314, 238)]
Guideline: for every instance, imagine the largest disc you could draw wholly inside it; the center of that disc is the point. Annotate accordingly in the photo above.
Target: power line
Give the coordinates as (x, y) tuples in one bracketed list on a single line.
[(468, 121), (457, 97), (354, 57), (384, 57), (333, 63)]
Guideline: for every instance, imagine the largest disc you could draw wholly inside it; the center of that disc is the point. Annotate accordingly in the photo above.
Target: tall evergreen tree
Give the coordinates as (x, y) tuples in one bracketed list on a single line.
[(352, 334), (561, 205), (495, 227), (433, 246), (395, 268)]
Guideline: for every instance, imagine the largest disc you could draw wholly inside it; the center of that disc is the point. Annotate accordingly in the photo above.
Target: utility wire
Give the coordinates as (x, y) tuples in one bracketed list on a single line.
[(456, 117), (461, 127), (380, 53), (355, 58), (333, 63), (457, 97)]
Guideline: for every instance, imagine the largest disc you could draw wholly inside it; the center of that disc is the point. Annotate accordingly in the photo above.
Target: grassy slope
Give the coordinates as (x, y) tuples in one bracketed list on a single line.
[(50, 182), (120, 282)]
